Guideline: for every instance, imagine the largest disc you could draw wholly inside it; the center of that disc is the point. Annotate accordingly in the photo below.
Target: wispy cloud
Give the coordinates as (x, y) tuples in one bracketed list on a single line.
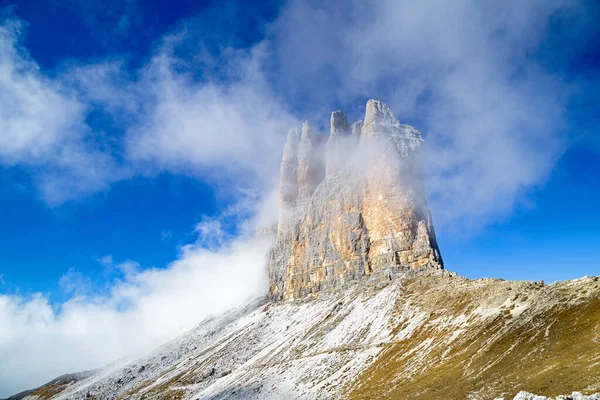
[(106, 260), (468, 77), (225, 128), (166, 235), (141, 310), (75, 283), (43, 126)]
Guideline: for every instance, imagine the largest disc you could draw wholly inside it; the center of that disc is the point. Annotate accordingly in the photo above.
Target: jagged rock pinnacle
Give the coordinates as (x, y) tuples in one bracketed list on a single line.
[(307, 131), (339, 124), (356, 128), (310, 162), (340, 143), (378, 112), (289, 169)]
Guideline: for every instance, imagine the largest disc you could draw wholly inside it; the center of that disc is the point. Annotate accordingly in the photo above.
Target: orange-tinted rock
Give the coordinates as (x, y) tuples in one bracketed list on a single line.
[(360, 215)]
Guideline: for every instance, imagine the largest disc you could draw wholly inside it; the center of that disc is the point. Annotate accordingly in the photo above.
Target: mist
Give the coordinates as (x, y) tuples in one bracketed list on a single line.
[(467, 76), (141, 311)]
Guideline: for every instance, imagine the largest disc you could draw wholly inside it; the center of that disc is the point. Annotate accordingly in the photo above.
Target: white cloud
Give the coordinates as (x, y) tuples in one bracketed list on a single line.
[(143, 310), (224, 128), (210, 233), (37, 118), (466, 73), (43, 126), (140, 309), (75, 283), (227, 133)]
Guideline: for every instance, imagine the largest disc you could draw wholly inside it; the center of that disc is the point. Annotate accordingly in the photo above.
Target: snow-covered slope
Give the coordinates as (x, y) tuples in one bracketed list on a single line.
[(261, 351), (424, 337)]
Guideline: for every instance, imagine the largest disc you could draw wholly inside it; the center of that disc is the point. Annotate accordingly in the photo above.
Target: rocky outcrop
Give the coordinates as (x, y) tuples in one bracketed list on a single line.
[(353, 208), (310, 163)]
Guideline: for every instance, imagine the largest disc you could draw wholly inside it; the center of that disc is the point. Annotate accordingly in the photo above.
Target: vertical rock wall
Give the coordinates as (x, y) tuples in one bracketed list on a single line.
[(353, 209)]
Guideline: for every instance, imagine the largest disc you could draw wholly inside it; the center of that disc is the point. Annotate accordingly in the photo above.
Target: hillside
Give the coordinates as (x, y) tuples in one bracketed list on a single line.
[(420, 337)]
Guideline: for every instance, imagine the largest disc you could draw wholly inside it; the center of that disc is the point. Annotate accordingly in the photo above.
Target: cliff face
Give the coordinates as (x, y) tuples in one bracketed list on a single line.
[(353, 208)]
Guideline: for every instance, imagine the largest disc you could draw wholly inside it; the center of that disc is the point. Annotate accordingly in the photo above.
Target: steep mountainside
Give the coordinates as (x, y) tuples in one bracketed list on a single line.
[(420, 337)]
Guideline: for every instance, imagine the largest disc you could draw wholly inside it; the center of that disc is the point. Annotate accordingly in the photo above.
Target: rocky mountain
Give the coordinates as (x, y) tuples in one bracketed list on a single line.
[(353, 208), (359, 304)]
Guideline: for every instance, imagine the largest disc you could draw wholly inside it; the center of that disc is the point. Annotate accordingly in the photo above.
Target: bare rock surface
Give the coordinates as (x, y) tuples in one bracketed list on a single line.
[(354, 210)]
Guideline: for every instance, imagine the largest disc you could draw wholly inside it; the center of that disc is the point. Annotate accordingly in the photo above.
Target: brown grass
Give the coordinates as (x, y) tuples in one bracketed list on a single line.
[(498, 358)]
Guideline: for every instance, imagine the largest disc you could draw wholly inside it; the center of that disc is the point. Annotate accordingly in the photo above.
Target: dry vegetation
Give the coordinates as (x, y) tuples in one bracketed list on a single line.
[(543, 339)]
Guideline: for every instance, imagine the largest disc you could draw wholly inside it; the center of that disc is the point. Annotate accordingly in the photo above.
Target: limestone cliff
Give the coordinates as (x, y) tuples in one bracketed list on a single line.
[(353, 208)]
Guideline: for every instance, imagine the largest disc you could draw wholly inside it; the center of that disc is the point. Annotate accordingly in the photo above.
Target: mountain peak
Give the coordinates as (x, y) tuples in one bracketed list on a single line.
[(378, 112), (339, 124), (307, 131), (358, 219)]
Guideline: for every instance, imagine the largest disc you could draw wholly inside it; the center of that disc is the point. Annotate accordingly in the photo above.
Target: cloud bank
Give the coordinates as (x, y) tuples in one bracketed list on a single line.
[(468, 76), (141, 311)]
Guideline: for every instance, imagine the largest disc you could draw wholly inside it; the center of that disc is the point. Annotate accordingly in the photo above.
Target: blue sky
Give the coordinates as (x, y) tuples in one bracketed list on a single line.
[(140, 218), (142, 138)]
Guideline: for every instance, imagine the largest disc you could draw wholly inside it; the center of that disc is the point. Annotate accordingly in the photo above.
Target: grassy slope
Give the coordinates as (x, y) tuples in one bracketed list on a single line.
[(543, 339), (452, 339), (53, 387)]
